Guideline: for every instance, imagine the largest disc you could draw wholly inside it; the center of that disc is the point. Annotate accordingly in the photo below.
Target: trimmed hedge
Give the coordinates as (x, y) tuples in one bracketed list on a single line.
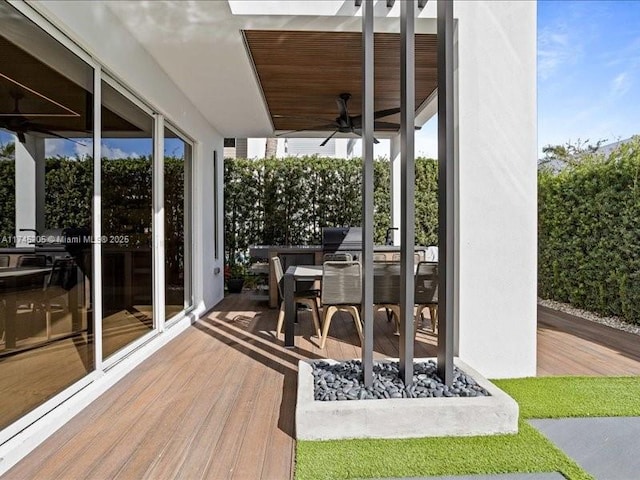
[(589, 234), (288, 201)]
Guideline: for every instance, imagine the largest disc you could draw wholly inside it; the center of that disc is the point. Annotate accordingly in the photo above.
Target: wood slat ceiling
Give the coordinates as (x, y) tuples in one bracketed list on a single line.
[(302, 72)]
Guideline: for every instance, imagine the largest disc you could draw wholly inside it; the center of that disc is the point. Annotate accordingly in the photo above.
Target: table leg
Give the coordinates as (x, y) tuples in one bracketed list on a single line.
[(289, 310), (11, 314)]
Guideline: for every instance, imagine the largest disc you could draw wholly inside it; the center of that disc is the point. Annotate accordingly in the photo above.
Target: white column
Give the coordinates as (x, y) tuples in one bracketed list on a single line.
[(30, 188), (394, 156)]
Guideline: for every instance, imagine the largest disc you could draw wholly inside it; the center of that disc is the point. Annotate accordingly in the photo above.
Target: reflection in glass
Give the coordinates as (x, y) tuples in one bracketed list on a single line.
[(177, 228), (46, 190), (127, 273)]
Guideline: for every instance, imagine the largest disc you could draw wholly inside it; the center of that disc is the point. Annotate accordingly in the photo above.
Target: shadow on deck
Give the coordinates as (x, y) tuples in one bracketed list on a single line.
[(218, 402)]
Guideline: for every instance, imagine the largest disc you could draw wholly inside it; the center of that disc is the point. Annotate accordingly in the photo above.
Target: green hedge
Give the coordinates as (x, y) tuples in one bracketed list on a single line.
[(288, 201), (589, 234)]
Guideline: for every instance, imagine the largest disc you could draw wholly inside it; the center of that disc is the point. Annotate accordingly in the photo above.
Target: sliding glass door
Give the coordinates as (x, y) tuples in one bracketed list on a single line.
[(127, 214)]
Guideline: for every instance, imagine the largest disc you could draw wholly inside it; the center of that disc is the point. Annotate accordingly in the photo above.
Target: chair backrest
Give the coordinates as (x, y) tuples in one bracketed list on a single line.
[(279, 273), (64, 274), (379, 257), (386, 283), (4, 261), (426, 288), (341, 283), (338, 257), (417, 258), (32, 261)]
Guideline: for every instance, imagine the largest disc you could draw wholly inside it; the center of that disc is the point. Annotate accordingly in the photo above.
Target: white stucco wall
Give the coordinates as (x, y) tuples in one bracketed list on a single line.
[(98, 31), (497, 229)]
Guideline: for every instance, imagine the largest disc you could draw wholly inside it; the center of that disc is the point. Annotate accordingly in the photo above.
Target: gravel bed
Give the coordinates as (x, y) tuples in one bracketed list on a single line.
[(613, 322), (344, 381)]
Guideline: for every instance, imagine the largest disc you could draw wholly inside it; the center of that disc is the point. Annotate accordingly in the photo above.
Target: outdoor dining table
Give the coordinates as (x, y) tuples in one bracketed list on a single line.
[(8, 284)]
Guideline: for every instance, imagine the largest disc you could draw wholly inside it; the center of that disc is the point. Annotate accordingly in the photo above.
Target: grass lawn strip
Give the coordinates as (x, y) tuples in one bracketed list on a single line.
[(563, 397), (527, 452)]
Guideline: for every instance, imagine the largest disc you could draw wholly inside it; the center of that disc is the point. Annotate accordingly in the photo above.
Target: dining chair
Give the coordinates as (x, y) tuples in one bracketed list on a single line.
[(417, 258), (379, 257), (305, 297), (63, 277), (32, 261), (386, 290), (426, 291), (337, 257), (341, 292)]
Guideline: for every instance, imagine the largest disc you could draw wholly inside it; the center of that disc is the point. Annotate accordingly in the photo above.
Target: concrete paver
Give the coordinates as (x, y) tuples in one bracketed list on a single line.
[(607, 448)]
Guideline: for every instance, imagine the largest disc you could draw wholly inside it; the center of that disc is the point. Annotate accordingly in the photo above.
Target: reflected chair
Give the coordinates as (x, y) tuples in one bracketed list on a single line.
[(305, 297), (341, 291), (386, 290), (426, 291), (32, 261)]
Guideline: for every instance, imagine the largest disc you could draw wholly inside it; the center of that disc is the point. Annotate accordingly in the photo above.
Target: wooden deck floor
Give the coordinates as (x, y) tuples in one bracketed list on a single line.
[(218, 401)]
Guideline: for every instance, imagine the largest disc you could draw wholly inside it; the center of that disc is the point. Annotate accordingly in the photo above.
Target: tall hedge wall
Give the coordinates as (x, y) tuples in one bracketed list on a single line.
[(589, 234), (288, 201), (126, 198)]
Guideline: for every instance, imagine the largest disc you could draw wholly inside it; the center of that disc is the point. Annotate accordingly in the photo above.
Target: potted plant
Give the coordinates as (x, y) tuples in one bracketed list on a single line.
[(235, 275)]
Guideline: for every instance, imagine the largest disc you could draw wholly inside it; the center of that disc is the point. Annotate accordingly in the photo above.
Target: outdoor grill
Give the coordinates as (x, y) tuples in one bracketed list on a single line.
[(343, 240)]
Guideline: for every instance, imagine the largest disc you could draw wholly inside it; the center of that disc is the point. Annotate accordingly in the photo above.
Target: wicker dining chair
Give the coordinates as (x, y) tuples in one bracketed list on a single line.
[(426, 291), (386, 290), (341, 292), (305, 297)]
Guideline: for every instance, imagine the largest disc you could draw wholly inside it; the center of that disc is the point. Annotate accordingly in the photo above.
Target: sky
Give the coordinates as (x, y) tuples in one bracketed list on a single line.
[(588, 71), (588, 81)]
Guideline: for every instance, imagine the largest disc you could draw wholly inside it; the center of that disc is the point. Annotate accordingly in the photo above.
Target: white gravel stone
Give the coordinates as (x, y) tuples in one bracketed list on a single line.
[(613, 322)]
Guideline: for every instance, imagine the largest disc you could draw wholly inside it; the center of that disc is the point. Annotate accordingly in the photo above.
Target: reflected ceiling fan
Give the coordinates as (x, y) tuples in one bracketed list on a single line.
[(345, 123), (21, 125)]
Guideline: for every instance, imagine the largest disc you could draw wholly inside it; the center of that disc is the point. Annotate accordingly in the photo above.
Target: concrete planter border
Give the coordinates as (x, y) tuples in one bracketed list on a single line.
[(403, 418)]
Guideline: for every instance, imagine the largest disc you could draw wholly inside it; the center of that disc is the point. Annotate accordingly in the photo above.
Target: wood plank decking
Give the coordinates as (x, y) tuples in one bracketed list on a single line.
[(218, 401)]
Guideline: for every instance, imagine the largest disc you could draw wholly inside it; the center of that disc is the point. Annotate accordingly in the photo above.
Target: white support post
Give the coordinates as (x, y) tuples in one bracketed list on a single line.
[(30, 188)]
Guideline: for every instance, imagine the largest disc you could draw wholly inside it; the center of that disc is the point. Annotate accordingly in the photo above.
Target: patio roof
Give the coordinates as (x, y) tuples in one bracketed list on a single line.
[(302, 72), (215, 70)]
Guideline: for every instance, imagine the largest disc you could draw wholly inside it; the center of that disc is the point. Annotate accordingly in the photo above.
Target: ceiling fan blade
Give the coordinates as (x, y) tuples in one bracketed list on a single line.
[(386, 113), (316, 127), (358, 132), (328, 138), (357, 119), (49, 132), (341, 101), (386, 126)]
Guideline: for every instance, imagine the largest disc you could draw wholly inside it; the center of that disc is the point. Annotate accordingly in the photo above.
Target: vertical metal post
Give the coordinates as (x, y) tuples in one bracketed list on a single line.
[(407, 201), (158, 263), (367, 189), (446, 205), (96, 226)]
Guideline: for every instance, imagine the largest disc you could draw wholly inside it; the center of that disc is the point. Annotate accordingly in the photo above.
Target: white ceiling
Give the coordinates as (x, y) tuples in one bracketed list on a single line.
[(199, 45)]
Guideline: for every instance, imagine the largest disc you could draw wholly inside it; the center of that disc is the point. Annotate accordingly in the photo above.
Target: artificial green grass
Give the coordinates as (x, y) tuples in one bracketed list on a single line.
[(527, 451), (559, 397)]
